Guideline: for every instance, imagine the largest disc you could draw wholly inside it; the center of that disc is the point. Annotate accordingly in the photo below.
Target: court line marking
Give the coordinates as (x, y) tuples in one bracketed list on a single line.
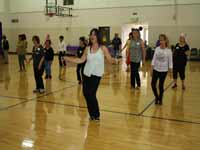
[(52, 92), (103, 110), (13, 97), (35, 98), (122, 113), (12, 106), (22, 98), (133, 114), (171, 119), (77, 106), (150, 104)]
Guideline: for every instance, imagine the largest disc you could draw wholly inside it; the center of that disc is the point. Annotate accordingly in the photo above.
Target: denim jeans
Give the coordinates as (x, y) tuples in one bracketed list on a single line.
[(48, 68)]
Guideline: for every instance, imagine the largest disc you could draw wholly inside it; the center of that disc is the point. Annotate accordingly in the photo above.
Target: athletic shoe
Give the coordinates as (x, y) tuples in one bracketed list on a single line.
[(137, 88), (97, 119), (36, 90), (91, 118), (41, 91), (160, 102)]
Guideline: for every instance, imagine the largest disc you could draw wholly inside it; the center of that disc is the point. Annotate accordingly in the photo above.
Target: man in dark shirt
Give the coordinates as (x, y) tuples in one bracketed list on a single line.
[(80, 51), (116, 42), (5, 47)]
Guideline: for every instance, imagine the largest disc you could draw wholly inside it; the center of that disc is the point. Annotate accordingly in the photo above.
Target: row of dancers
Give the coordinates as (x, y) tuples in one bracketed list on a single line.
[(91, 64), (164, 62)]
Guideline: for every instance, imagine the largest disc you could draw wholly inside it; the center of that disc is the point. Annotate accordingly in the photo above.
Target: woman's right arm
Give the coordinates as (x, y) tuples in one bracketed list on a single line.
[(128, 49), (125, 45), (78, 60), (31, 58)]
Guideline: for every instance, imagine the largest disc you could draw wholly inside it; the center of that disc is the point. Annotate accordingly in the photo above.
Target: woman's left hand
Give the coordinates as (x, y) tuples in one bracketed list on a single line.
[(170, 74)]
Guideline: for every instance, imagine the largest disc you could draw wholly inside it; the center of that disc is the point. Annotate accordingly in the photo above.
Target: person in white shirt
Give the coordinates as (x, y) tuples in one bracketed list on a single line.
[(61, 54), (93, 71), (161, 64)]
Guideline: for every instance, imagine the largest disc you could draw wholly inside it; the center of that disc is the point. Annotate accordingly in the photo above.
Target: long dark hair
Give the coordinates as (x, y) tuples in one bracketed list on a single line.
[(130, 34), (97, 33), (83, 40)]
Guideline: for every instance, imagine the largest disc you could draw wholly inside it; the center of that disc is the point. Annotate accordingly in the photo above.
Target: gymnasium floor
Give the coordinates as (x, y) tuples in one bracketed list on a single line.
[(58, 119)]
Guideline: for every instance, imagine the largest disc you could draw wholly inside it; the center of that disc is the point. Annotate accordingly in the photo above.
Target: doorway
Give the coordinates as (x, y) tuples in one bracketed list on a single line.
[(126, 29)]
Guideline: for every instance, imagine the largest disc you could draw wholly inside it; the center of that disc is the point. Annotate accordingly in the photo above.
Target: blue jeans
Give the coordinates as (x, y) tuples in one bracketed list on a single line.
[(48, 68), (116, 53)]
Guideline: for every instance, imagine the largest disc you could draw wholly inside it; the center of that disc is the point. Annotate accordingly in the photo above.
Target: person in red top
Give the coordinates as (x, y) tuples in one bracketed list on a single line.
[(128, 59)]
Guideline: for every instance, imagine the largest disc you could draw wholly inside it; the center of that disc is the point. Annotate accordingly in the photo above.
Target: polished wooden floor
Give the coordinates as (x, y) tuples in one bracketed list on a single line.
[(58, 119)]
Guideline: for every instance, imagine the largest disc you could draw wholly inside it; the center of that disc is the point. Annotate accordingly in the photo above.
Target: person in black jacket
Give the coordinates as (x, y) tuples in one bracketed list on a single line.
[(49, 55), (80, 67), (117, 43), (5, 47)]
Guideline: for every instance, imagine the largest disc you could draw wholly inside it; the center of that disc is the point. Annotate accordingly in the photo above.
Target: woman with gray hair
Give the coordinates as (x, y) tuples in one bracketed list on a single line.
[(180, 60)]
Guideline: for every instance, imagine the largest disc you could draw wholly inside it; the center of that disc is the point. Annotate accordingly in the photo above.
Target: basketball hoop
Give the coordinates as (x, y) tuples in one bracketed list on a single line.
[(50, 9)]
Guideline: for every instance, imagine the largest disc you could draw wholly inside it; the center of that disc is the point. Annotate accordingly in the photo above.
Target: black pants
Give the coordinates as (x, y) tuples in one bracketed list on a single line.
[(90, 86), (79, 71), (161, 76), (60, 56), (135, 74), (179, 70), (38, 78), (21, 59)]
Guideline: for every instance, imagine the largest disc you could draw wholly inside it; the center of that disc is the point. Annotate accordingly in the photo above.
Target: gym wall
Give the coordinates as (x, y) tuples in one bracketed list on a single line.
[(159, 18)]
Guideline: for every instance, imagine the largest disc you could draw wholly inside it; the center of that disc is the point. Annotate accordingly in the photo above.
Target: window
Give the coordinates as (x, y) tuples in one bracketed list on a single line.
[(68, 2)]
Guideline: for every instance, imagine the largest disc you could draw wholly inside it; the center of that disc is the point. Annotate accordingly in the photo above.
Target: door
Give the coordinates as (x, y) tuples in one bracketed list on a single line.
[(105, 35)]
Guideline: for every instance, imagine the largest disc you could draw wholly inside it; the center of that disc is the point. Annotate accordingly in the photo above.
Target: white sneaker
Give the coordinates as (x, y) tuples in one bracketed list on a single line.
[(41, 91)]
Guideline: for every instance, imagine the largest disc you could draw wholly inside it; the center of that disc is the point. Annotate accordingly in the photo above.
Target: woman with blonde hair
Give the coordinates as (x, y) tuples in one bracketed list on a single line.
[(161, 65), (180, 54)]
